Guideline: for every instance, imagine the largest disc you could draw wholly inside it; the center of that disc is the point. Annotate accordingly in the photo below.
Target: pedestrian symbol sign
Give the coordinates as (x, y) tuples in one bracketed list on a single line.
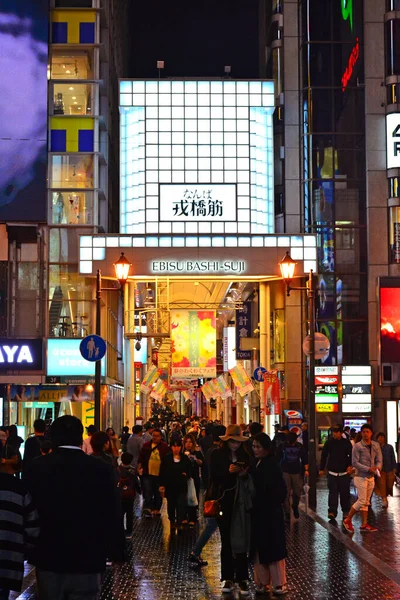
[(93, 348), (259, 374)]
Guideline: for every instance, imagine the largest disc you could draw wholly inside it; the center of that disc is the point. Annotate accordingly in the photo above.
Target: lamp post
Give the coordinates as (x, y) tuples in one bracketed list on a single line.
[(122, 267), (287, 266)]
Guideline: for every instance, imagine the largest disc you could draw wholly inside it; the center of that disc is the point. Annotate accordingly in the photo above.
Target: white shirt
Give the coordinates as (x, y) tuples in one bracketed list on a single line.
[(86, 446)]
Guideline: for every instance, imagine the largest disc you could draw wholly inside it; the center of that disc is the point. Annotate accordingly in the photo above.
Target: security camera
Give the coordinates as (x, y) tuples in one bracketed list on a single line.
[(138, 346)]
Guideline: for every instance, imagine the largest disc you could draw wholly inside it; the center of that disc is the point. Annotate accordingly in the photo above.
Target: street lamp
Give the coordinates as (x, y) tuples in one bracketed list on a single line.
[(287, 266), (121, 267)]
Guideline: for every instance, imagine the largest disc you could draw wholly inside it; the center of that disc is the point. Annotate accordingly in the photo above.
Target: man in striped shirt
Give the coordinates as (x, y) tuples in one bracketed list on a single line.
[(19, 526)]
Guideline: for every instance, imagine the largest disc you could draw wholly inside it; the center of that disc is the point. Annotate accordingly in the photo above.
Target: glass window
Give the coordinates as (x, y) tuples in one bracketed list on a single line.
[(72, 171), (71, 207), (71, 302), (73, 99), (73, 64), (393, 47), (394, 233)]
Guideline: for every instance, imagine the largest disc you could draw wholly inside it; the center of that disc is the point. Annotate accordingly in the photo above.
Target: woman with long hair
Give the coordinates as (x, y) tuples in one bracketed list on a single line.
[(196, 461), (174, 473), (115, 445), (268, 541), (229, 484)]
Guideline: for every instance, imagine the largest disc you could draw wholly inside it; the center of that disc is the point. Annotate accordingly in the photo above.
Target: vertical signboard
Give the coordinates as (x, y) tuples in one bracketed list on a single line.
[(243, 330), (193, 343), (356, 389)]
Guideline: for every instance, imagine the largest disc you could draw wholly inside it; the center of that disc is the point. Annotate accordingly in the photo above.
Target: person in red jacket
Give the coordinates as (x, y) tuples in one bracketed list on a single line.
[(149, 464)]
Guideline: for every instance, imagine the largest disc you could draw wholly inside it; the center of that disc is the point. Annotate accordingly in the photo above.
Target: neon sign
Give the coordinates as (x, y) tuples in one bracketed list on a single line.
[(347, 11), (354, 56)]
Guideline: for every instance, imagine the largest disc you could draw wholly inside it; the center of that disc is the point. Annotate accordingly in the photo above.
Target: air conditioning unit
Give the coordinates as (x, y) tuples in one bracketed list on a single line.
[(390, 374)]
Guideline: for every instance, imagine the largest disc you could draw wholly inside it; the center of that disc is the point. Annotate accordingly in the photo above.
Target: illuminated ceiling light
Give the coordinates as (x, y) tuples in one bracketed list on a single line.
[(68, 71), (73, 97), (75, 103), (71, 88)]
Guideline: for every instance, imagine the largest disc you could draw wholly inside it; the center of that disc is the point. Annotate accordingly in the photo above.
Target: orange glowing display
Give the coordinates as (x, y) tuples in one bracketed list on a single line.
[(390, 324)]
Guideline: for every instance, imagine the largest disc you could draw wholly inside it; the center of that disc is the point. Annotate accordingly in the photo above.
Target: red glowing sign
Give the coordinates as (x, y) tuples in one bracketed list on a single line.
[(390, 325), (354, 56)]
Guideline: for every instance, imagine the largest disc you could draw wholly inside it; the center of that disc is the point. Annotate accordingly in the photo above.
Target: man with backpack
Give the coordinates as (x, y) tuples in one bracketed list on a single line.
[(127, 486), (294, 463)]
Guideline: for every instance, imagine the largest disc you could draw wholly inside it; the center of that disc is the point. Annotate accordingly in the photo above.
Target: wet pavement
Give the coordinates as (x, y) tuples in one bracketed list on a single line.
[(323, 562)]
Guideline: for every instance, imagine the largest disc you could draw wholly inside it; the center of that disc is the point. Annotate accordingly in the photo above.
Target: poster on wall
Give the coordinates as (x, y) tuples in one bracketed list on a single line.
[(272, 397), (193, 343), (23, 108)]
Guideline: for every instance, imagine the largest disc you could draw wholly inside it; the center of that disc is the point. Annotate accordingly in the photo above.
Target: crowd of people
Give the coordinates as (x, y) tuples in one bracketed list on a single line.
[(72, 498)]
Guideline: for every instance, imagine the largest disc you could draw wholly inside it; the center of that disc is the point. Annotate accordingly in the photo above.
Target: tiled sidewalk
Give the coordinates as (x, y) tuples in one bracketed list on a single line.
[(320, 566)]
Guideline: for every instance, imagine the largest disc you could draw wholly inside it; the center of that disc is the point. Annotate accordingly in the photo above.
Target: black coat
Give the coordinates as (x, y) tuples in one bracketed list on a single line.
[(80, 512), (268, 525), (220, 477), (174, 475)]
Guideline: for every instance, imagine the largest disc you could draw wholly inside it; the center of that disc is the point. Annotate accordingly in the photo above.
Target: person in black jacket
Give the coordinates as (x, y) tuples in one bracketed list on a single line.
[(80, 516), (268, 525), (336, 457), (196, 462), (174, 473), (227, 464), (32, 444)]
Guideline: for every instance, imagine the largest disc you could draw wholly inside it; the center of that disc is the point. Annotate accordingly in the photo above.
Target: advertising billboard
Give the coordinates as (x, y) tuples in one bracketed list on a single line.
[(193, 343), (390, 324), (64, 359), (23, 108)]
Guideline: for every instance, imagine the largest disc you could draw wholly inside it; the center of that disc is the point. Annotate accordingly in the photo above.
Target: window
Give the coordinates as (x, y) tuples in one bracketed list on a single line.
[(71, 207), (70, 64), (70, 302), (72, 171), (73, 99), (394, 233)]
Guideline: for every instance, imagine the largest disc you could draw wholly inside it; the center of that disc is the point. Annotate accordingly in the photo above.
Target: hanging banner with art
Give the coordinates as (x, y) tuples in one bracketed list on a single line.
[(272, 396), (208, 390), (159, 390), (222, 388), (194, 342), (149, 379), (241, 380)]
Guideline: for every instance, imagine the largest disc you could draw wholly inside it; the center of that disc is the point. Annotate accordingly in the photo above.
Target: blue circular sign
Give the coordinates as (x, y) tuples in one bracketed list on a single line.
[(93, 348), (259, 374)]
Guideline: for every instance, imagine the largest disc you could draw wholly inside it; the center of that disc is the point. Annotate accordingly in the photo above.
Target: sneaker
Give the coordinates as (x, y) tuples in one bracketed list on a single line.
[(227, 587), (280, 590), (296, 513), (197, 560), (368, 527), (244, 589), (348, 525), (331, 516), (147, 513)]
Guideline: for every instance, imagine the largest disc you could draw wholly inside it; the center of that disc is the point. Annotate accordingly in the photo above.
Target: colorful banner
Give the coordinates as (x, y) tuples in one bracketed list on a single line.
[(149, 379), (194, 341), (243, 330), (159, 390), (222, 387), (241, 380), (208, 390), (272, 396)]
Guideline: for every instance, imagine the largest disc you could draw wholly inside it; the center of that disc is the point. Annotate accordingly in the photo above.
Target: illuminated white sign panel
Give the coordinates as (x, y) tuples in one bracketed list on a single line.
[(356, 408), (229, 343), (210, 140), (198, 203), (393, 140), (193, 266)]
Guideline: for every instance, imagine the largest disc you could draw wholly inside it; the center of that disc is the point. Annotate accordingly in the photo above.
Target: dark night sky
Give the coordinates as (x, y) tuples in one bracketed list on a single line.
[(195, 39)]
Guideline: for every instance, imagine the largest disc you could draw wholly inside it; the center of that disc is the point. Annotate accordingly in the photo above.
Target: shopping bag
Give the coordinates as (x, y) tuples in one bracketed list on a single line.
[(191, 493)]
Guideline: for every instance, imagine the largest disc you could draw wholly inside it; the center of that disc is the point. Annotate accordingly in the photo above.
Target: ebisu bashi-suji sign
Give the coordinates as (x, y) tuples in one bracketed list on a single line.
[(21, 354)]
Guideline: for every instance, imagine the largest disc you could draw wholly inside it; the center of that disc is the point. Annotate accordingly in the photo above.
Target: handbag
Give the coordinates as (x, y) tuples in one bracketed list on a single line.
[(212, 508), (191, 493)]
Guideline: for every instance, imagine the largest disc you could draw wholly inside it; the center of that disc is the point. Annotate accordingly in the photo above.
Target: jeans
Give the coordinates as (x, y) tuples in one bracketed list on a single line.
[(293, 482), (339, 487), (68, 586), (211, 526), (151, 495), (127, 509), (176, 507)]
